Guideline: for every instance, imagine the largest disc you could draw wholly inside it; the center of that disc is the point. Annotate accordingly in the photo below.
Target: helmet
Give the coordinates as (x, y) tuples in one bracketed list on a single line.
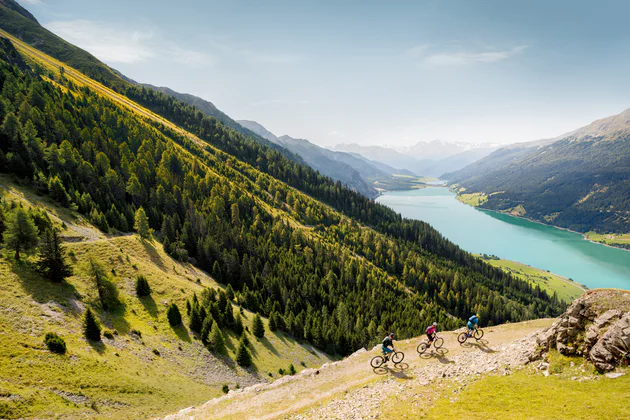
[(392, 334), (435, 324)]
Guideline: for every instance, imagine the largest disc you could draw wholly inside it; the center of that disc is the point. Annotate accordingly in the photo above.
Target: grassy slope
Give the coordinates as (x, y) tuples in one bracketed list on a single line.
[(121, 375), (526, 394), (566, 289), (609, 239)]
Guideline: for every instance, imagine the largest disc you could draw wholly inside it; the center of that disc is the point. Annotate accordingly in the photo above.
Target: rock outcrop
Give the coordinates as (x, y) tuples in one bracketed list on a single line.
[(596, 326)]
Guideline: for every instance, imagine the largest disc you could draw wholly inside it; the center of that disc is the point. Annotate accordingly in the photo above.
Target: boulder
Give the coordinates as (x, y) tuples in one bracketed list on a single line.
[(613, 346)]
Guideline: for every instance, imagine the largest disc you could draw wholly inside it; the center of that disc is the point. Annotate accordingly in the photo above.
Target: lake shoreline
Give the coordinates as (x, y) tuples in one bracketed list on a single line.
[(583, 235)]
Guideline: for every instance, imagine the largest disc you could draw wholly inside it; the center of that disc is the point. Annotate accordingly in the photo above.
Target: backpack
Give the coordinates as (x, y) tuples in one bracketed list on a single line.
[(474, 319)]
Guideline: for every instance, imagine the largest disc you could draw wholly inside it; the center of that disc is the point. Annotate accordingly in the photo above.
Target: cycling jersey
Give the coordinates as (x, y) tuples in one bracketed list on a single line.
[(431, 330), (387, 342)]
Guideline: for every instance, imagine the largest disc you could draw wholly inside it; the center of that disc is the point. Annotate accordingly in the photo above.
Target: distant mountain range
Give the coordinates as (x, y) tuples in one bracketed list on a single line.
[(580, 180), (424, 159), (352, 169)]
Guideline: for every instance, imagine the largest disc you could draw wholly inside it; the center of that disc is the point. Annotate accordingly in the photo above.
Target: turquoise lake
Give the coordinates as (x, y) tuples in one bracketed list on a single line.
[(485, 232)]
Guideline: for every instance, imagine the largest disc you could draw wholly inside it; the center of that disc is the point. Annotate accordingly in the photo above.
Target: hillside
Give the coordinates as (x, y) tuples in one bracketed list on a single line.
[(579, 181), (121, 376), (360, 174), (508, 374)]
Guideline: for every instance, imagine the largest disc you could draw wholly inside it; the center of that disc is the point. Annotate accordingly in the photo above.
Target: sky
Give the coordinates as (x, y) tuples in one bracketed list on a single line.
[(371, 72)]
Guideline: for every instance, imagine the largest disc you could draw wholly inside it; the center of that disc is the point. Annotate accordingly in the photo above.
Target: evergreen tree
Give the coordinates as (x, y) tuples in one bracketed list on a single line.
[(238, 324), (91, 327), (205, 331), (21, 232), (107, 291), (273, 326), (141, 224), (52, 262), (142, 286), (258, 328), (55, 343), (173, 315), (244, 338), (243, 357), (216, 339), (216, 272)]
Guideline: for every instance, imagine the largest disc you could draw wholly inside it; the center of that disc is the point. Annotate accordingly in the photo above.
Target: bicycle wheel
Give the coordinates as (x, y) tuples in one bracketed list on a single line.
[(377, 362), (398, 357), (462, 338), (439, 342), (478, 334), (422, 347)]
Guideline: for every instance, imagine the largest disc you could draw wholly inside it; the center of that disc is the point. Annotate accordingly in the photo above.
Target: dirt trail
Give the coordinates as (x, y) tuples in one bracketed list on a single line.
[(351, 389)]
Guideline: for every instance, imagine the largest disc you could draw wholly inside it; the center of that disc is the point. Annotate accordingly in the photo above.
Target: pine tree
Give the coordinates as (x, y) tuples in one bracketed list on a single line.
[(217, 339), (52, 262), (216, 272), (244, 338), (243, 357), (228, 315), (21, 232), (142, 286), (141, 224), (91, 327), (205, 331), (273, 326), (238, 324), (258, 328), (173, 315)]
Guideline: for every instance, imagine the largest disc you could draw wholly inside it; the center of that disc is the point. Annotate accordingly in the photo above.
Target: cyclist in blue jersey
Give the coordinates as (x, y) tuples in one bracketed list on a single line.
[(473, 323)]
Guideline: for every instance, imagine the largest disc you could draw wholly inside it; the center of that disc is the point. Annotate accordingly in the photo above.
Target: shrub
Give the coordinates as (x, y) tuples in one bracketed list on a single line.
[(243, 357), (108, 334), (142, 286), (173, 315), (91, 327), (225, 389), (258, 328), (281, 371), (157, 352), (292, 370), (55, 343)]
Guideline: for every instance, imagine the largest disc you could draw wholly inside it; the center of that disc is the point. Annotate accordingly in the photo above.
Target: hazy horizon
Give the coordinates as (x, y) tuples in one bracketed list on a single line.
[(370, 73)]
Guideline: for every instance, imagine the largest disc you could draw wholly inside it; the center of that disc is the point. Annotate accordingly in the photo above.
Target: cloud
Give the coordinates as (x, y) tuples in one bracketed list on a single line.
[(336, 133), (425, 55), (120, 45)]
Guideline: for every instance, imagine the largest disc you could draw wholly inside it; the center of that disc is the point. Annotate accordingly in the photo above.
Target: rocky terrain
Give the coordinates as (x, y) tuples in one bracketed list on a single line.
[(596, 326)]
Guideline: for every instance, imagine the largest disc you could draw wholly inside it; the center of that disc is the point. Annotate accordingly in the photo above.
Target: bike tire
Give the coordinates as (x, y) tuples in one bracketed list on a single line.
[(422, 347), (462, 338), (377, 362), (398, 357), (439, 342), (478, 334)]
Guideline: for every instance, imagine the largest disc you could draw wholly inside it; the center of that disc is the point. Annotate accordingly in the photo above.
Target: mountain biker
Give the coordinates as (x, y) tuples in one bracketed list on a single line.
[(388, 342), (473, 323), (431, 331)]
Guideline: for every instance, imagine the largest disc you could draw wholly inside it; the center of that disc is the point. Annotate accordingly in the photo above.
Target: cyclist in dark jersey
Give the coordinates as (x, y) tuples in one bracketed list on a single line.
[(388, 342)]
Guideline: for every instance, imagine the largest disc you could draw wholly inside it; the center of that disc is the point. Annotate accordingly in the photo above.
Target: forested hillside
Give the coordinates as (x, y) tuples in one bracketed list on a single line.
[(580, 181), (333, 277)]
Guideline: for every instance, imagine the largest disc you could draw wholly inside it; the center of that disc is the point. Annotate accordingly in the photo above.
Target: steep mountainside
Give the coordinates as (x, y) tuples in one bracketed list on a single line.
[(510, 373), (580, 181), (258, 129)]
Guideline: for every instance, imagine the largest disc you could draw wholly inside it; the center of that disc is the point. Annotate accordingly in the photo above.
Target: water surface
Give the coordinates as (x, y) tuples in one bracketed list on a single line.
[(485, 232)]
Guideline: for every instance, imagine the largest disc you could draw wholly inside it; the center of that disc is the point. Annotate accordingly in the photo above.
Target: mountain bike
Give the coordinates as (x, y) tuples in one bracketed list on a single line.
[(378, 361), (477, 334), (424, 346)]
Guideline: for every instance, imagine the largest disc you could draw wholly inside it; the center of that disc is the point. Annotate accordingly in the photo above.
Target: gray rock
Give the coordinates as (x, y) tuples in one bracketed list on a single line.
[(612, 346)]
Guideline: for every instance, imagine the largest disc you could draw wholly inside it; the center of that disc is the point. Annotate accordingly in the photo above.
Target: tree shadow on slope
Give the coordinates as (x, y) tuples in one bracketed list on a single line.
[(153, 254), (44, 291), (98, 346), (182, 333), (149, 305)]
